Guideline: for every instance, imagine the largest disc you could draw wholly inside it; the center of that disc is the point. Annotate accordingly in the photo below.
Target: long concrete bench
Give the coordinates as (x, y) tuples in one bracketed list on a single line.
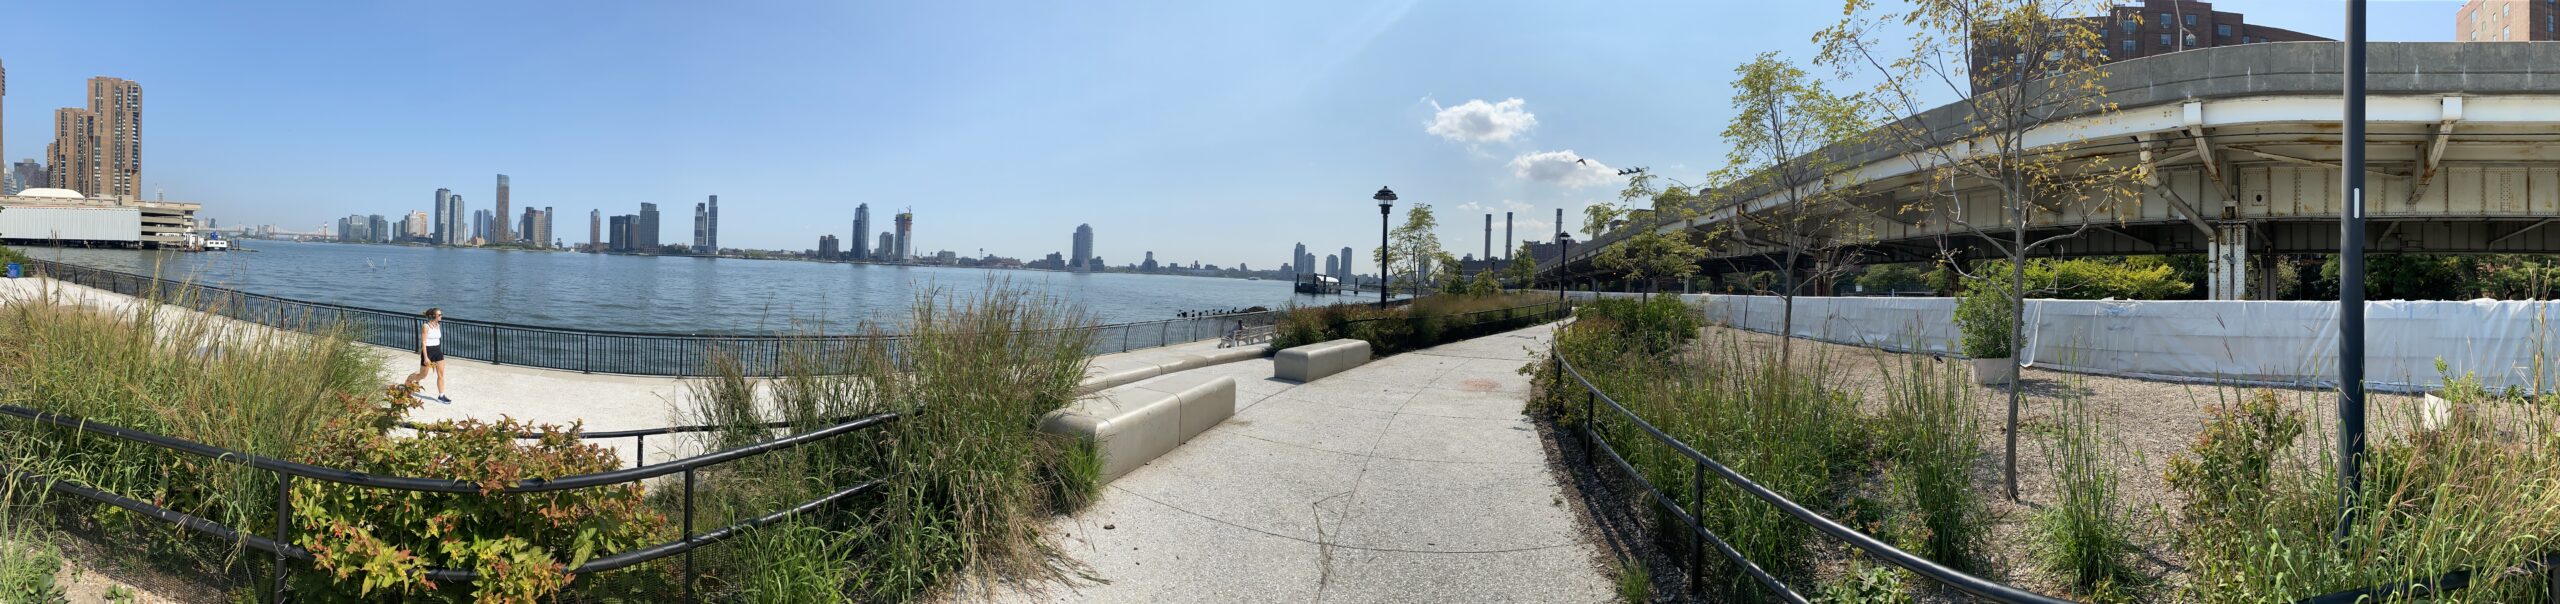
[(1135, 424), (1310, 362), (1113, 373)]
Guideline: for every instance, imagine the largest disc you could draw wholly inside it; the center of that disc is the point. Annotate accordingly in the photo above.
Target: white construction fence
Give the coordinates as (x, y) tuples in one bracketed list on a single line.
[(2250, 342)]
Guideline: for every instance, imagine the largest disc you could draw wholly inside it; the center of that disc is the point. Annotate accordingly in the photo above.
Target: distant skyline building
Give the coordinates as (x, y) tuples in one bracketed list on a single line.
[(379, 226), (619, 239), (1332, 266), (1345, 273), (862, 231), (1082, 247), (714, 243), (527, 224), (1150, 264), (701, 227), (906, 237), (27, 174), (827, 247), (543, 238), (1298, 260), (502, 234), (484, 226), (888, 246), (595, 231), (443, 218), (415, 225), (97, 150), (644, 228)]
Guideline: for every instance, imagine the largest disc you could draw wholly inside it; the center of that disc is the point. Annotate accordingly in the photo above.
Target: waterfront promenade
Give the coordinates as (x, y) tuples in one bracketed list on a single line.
[(1414, 478)]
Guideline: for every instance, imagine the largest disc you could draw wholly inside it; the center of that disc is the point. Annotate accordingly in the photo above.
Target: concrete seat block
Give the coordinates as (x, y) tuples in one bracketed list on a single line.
[(1133, 425), (1315, 361)]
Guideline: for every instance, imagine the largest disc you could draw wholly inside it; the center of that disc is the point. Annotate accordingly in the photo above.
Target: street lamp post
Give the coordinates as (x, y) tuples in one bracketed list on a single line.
[(1386, 202)]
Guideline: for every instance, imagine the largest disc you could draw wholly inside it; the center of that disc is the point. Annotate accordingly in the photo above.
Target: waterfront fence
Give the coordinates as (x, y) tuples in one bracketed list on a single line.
[(279, 544), (1689, 514), (581, 350)]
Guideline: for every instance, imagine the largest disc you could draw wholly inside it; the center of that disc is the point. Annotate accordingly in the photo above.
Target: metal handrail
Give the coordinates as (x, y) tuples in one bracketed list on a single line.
[(1976, 586), (281, 548), (592, 350)]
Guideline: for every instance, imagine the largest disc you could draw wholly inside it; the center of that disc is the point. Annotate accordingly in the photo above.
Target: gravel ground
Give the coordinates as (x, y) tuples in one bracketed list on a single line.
[(2147, 422)]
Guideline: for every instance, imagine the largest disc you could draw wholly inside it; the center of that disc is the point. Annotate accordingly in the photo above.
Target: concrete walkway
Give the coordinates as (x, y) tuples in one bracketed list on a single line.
[(1411, 479)]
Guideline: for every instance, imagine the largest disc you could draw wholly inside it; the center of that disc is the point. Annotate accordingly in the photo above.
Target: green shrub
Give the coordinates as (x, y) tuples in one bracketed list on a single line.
[(1657, 325), (1430, 321), (377, 543), (1982, 317), (1865, 583), (2229, 468), (27, 572)]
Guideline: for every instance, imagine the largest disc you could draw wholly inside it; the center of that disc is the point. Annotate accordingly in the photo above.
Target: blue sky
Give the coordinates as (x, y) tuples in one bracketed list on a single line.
[(1211, 131)]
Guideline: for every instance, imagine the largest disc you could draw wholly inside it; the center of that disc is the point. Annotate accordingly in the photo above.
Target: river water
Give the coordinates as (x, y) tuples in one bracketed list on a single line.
[(656, 294)]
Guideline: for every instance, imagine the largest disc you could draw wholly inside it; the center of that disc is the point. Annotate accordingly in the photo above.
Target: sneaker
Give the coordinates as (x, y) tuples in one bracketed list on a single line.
[(444, 399)]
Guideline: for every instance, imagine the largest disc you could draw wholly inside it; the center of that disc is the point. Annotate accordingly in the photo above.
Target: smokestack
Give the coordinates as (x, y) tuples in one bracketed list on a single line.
[(1488, 239), (1506, 235), (1559, 222)]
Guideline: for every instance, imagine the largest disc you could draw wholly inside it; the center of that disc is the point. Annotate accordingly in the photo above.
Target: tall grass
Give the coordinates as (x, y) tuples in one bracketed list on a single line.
[(967, 478), (183, 374), (1932, 434), (2083, 535), (1427, 322), (2474, 490), (28, 564)]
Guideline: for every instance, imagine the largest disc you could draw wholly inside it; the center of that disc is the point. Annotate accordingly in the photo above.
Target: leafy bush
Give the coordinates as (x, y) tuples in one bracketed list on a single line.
[(1427, 322), (2231, 463), (1865, 583), (1657, 325), (378, 543), (1982, 317), (26, 573)]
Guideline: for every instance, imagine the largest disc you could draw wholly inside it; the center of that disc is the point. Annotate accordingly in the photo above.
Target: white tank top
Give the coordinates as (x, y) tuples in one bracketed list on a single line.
[(435, 334)]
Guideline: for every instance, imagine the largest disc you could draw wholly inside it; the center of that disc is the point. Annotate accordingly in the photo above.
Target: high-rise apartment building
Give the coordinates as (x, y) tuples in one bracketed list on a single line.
[(595, 231), (2507, 21), (827, 247), (861, 231), (118, 103), (620, 238), (502, 234), (644, 229), (415, 225), (701, 228), (2149, 27), (1082, 261), (906, 237), (444, 218), (542, 238), (527, 224), (888, 246), (71, 161), (380, 227), (714, 242), (1345, 270), (1299, 258), (484, 226), (1332, 265)]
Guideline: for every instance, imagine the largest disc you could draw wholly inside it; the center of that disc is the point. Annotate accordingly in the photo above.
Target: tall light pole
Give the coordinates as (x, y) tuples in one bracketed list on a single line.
[(1386, 203), (2351, 283), (1564, 242)]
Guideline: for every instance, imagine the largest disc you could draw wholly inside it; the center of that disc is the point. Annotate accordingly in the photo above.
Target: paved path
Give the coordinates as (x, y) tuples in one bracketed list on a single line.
[(1411, 479)]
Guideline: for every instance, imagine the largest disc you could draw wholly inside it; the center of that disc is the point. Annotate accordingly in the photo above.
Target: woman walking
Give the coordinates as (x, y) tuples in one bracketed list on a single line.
[(431, 353)]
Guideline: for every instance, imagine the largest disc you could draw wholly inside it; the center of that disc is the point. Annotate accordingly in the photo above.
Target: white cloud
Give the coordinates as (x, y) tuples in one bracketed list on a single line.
[(1476, 121), (1563, 168), (1495, 207)]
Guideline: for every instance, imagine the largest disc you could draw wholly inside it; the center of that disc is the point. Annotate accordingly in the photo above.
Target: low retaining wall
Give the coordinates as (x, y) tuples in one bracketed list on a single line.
[(2254, 342), (1133, 426)]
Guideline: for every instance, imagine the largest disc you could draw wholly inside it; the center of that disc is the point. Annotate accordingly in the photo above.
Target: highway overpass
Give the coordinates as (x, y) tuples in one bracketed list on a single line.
[(2243, 145)]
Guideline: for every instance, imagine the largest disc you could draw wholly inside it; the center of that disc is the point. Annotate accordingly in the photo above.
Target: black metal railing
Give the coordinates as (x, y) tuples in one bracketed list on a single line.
[(280, 546), (1594, 440), (581, 350)]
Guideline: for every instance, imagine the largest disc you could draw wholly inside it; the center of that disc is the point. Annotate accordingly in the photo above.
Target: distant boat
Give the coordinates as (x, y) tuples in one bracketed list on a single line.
[(217, 245)]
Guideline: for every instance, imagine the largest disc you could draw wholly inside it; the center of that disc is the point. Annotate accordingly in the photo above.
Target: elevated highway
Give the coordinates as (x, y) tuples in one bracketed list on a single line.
[(2242, 145)]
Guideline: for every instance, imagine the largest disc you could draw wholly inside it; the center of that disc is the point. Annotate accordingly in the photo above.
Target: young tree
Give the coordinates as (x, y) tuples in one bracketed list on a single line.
[(2035, 65), (1416, 243), (1786, 202), (1652, 255), (1597, 216), (1524, 267)]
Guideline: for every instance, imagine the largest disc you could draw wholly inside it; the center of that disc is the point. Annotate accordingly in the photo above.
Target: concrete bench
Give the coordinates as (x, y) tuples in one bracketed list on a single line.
[(1310, 362), (1135, 424)]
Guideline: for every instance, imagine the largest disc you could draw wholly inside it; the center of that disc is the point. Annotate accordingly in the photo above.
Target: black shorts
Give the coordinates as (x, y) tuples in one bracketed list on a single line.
[(435, 354)]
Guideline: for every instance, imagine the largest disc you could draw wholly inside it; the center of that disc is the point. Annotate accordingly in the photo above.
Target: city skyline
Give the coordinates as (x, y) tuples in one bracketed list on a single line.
[(1321, 103)]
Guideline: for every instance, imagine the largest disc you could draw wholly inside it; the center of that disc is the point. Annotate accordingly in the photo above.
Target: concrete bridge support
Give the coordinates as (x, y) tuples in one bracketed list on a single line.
[(2228, 256)]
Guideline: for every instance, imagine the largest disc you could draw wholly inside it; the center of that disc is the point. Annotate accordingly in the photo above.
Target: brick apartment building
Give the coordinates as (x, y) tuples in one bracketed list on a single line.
[(2157, 27), (2507, 21)]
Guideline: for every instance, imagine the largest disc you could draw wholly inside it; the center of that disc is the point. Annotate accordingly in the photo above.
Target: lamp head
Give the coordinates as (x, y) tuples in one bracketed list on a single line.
[(1386, 198)]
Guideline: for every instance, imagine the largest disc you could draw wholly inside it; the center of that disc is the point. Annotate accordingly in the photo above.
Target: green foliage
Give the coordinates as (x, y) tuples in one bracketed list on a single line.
[(2472, 488), (1654, 326), (1932, 435), (2083, 535), (27, 572), (795, 562), (1865, 583), (1524, 266), (377, 543), (2447, 277), (1484, 284), (1884, 278), (1983, 318), (1427, 322), (1635, 583), (8, 255), (1414, 241)]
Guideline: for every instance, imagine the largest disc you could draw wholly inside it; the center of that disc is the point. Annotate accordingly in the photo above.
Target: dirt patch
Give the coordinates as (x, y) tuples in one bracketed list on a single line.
[(1478, 385)]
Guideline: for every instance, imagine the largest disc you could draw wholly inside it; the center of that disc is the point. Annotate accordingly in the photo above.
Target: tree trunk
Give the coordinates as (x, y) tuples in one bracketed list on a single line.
[(2017, 319), (1787, 316)]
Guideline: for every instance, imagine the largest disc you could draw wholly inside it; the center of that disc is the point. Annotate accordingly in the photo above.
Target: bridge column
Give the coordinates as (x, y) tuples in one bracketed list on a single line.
[(2228, 255)]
